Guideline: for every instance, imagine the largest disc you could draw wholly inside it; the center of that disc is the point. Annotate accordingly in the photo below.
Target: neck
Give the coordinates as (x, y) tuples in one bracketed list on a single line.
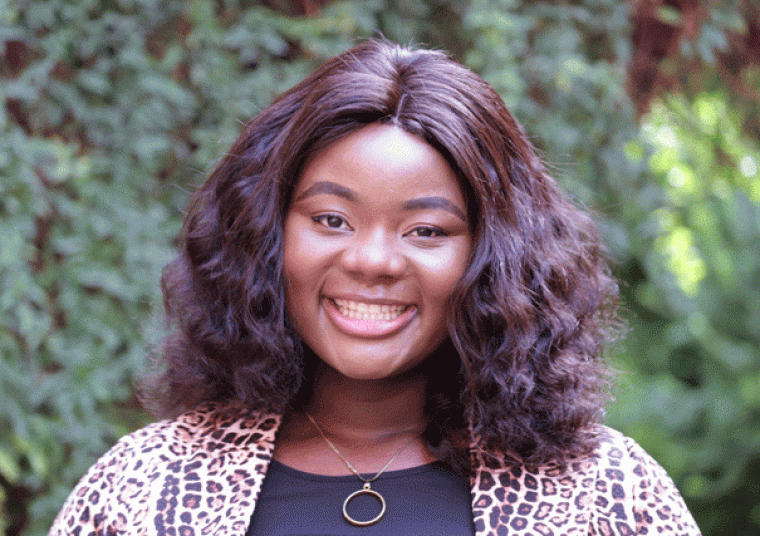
[(366, 420), (367, 409)]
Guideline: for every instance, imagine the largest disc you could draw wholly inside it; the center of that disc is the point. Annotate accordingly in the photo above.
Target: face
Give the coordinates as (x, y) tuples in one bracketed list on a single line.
[(376, 238)]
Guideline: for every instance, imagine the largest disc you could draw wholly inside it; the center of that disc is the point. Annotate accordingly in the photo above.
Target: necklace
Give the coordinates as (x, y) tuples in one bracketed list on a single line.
[(367, 487)]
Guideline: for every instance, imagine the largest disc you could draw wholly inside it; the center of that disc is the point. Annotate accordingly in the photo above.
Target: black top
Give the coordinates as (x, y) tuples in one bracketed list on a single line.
[(426, 500)]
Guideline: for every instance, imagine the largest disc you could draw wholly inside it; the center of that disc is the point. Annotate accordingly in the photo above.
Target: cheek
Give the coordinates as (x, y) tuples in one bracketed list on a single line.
[(294, 268), (295, 248), (304, 263), (443, 272)]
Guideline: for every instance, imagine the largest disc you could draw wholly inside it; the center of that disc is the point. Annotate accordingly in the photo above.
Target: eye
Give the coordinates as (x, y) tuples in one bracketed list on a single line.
[(427, 231), (332, 221)]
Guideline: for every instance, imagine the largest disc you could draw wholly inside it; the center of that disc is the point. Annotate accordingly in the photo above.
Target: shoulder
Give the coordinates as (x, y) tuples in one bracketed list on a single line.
[(207, 429), (617, 489), (211, 426), (633, 488), (140, 476)]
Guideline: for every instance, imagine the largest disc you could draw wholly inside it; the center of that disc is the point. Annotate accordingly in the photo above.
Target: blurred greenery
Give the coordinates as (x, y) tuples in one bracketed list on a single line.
[(114, 110)]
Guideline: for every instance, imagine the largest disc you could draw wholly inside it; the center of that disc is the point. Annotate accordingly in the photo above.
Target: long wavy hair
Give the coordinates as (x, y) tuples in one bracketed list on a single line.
[(530, 318)]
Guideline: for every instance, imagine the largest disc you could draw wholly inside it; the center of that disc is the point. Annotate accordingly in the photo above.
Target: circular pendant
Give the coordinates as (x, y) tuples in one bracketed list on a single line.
[(366, 490)]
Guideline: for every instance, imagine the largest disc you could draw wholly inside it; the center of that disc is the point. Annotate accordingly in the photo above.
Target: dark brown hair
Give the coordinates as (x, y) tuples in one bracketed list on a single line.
[(530, 317)]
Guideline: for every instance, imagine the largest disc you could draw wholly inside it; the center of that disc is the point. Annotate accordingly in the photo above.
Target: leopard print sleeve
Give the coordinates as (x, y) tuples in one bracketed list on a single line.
[(89, 509), (634, 494), (658, 506), (197, 474)]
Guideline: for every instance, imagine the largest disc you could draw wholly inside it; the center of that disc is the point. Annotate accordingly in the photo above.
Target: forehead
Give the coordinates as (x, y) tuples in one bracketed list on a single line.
[(378, 160)]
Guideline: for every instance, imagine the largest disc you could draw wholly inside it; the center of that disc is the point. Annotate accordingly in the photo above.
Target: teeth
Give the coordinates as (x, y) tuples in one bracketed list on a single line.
[(368, 311)]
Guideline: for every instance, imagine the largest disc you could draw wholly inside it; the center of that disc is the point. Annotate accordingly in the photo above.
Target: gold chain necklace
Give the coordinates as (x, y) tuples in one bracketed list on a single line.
[(367, 487)]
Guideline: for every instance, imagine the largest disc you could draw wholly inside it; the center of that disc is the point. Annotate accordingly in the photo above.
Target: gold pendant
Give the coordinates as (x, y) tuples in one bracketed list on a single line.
[(366, 490)]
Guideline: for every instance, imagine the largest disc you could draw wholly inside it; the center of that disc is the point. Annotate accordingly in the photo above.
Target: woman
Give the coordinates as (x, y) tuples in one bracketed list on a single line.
[(389, 320)]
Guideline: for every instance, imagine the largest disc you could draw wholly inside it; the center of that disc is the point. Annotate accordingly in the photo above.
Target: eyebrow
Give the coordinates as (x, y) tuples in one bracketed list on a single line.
[(327, 187), (435, 202), (432, 202)]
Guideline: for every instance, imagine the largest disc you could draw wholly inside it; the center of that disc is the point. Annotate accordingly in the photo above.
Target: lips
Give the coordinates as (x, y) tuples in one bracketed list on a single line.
[(365, 319)]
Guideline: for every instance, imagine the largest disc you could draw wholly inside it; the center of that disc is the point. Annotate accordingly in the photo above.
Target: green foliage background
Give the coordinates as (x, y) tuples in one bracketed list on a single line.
[(114, 110)]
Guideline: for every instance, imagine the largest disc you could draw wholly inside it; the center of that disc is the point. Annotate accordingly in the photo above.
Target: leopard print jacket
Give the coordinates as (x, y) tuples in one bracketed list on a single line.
[(200, 474)]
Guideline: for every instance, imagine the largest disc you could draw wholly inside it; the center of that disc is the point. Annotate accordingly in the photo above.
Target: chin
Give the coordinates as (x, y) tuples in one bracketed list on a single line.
[(365, 373), (380, 370)]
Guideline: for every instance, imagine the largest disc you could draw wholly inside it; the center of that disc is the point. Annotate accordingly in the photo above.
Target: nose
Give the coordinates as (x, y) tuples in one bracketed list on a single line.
[(375, 255)]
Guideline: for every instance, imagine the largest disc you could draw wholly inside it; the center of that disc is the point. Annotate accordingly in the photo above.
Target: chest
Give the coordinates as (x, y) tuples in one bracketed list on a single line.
[(425, 500)]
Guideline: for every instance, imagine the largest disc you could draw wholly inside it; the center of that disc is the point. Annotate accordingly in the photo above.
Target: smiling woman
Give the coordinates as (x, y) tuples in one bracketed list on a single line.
[(388, 320)]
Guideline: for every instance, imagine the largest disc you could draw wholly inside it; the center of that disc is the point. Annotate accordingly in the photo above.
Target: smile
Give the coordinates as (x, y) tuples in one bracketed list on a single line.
[(357, 310), (368, 320)]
